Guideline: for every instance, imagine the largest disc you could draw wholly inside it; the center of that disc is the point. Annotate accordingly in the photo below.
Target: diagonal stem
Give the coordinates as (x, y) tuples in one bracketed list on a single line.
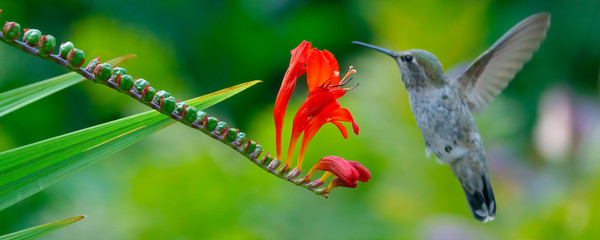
[(267, 163)]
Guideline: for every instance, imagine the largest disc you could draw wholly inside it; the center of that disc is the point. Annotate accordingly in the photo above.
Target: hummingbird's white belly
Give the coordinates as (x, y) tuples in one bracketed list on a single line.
[(445, 122)]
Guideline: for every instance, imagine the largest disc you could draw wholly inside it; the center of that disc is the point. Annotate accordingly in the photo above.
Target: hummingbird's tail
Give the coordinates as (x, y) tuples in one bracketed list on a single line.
[(482, 203), (478, 191)]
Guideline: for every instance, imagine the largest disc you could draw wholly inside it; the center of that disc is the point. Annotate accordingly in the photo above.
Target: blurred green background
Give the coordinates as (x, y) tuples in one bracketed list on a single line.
[(541, 133)]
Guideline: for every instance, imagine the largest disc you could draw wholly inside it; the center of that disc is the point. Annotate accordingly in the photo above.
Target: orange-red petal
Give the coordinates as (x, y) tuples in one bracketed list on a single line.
[(338, 182), (296, 68), (342, 128), (339, 167), (315, 103), (322, 70), (342, 114), (363, 173)]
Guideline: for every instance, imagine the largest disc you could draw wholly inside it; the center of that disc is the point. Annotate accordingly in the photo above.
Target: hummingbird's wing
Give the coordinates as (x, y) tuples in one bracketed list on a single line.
[(485, 77)]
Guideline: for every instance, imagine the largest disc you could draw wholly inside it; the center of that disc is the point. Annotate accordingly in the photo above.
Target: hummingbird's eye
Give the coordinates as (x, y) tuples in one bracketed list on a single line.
[(408, 58)]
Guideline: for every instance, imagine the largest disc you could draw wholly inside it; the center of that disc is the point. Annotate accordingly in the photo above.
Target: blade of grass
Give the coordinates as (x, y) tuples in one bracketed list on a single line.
[(17, 98), (41, 230), (29, 169)]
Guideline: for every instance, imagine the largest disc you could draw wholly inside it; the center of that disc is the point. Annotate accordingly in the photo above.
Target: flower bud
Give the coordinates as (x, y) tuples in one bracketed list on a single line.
[(76, 57), (181, 107), (257, 151), (221, 126), (250, 146), (168, 104), (161, 94), (102, 72), (92, 65), (125, 83), (274, 164), (11, 31), (140, 84), (240, 139), (148, 93), (266, 159), (211, 125), (47, 44), (201, 117), (232, 134), (118, 70), (64, 49), (32, 37), (190, 115)]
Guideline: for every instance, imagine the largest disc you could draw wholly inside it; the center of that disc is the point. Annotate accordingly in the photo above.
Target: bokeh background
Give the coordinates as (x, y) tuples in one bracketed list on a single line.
[(541, 134)]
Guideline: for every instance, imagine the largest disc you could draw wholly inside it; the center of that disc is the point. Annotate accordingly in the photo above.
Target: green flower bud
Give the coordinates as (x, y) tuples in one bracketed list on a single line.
[(211, 125), (201, 117), (251, 146), (11, 31), (140, 84), (190, 115), (149, 94), (168, 105), (65, 48), (180, 107), (160, 94), (47, 44), (267, 159), (126, 83), (102, 72), (240, 139), (274, 164), (257, 151), (221, 126), (118, 70), (232, 134), (75, 58), (32, 37), (92, 64)]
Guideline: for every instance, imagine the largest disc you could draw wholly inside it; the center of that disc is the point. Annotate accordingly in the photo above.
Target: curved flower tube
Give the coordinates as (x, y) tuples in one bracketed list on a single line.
[(295, 70)]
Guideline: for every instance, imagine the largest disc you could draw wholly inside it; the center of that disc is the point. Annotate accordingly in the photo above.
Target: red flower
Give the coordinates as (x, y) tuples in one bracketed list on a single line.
[(347, 173), (320, 107)]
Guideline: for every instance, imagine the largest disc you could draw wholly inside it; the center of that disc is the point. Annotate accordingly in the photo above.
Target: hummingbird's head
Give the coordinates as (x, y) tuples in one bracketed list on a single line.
[(418, 67)]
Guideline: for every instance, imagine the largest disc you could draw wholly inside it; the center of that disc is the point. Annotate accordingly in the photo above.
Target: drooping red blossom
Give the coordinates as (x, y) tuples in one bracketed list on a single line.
[(347, 173), (363, 173), (337, 166), (296, 69)]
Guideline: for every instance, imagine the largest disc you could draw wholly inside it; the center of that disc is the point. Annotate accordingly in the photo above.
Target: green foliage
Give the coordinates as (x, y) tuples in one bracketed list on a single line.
[(32, 168), (41, 230)]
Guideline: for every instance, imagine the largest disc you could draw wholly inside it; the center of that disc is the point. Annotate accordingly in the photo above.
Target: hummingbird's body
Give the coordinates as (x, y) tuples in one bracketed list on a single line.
[(442, 105), (444, 120)]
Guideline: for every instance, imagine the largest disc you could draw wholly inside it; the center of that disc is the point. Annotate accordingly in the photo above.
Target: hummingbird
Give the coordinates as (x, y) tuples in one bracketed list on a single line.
[(442, 103)]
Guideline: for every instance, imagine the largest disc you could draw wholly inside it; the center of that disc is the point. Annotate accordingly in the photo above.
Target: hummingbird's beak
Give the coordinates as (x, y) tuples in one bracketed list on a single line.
[(383, 50)]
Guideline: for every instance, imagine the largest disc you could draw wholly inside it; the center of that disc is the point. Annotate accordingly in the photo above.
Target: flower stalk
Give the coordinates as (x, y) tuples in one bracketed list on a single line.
[(116, 78)]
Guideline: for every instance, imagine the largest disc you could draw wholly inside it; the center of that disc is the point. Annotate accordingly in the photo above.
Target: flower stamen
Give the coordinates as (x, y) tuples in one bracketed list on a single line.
[(351, 70), (348, 89)]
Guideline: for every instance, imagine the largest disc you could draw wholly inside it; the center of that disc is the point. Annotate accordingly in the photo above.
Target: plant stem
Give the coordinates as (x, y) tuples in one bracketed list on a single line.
[(266, 162)]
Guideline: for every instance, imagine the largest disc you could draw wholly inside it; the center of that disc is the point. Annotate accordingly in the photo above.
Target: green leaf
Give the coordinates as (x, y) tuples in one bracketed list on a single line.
[(17, 98), (32, 168), (41, 230)]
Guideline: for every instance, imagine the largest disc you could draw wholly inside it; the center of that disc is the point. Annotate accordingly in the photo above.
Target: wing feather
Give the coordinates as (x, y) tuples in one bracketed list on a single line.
[(489, 74)]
